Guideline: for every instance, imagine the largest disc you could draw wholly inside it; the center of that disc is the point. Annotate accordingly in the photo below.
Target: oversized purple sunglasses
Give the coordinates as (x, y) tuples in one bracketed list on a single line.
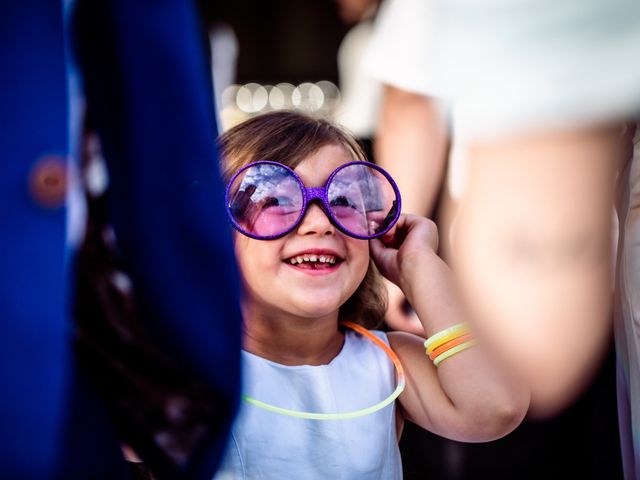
[(266, 200)]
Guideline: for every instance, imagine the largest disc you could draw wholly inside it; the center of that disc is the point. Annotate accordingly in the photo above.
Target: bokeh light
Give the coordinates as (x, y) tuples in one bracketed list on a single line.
[(239, 102)]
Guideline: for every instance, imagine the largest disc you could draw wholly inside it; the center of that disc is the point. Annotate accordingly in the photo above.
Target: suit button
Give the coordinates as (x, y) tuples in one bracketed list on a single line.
[(48, 181)]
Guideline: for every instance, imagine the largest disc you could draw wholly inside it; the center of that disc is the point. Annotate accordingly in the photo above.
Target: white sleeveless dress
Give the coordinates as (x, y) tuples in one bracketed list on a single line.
[(269, 446)]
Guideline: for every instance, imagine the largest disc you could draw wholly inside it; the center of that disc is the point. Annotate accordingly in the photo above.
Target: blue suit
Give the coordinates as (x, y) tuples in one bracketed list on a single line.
[(143, 74)]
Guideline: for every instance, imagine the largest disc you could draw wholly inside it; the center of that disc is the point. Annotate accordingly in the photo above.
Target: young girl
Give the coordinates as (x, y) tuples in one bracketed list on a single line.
[(323, 397)]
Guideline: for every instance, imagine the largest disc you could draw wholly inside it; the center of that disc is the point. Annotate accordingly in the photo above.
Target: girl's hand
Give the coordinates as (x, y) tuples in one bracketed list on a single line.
[(397, 254)]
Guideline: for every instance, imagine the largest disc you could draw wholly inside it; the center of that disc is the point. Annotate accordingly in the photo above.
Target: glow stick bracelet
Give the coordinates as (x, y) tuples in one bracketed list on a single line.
[(454, 350), (356, 413), (449, 344), (444, 335)]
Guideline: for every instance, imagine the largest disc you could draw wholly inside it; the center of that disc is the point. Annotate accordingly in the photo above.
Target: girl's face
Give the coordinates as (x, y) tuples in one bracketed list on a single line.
[(311, 271)]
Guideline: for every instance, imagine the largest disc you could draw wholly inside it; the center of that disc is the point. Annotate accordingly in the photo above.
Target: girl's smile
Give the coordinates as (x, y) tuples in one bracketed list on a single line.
[(315, 261)]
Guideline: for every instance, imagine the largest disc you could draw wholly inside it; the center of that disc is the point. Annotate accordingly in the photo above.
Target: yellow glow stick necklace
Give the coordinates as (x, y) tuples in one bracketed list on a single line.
[(356, 413)]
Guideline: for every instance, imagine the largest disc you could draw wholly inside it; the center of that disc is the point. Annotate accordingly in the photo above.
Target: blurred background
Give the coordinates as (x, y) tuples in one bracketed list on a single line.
[(306, 54), (274, 54)]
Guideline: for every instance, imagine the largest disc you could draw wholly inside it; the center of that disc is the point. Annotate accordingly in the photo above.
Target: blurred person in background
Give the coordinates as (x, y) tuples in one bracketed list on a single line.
[(167, 375), (359, 92), (587, 140), (411, 138), (402, 120), (537, 103), (542, 97)]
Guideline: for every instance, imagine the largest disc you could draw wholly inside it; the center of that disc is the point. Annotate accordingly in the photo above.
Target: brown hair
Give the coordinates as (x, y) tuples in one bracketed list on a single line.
[(288, 137)]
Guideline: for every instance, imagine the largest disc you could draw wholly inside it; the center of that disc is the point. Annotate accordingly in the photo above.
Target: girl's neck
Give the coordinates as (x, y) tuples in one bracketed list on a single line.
[(292, 340)]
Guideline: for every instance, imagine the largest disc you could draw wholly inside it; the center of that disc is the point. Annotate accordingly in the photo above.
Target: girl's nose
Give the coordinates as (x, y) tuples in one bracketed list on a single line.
[(315, 221)]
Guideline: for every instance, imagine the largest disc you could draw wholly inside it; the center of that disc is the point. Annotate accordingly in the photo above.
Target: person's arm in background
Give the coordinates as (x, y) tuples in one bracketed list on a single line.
[(411, 143), (534, 253), (411, 139), (532, 244), (533, 238)]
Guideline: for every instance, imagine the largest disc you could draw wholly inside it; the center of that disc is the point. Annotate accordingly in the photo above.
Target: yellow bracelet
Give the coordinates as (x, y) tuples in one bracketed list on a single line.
[(454, 350), (446, 339), (445, 335)]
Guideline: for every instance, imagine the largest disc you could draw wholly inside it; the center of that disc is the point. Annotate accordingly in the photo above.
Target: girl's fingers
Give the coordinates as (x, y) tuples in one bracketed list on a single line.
[(385, 258), (396, 235), (412, 235), (381, 253), (413, 227), (419, 232)]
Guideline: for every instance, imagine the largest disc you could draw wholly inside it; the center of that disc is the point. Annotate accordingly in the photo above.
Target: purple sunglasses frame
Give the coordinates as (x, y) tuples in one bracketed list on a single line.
[(314, 193)]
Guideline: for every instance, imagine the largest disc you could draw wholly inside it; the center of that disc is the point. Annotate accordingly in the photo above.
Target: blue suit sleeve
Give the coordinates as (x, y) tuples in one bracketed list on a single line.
[(146, 83)]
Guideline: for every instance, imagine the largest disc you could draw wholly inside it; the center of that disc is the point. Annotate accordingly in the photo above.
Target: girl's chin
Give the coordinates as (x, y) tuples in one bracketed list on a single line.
[(316, 309)]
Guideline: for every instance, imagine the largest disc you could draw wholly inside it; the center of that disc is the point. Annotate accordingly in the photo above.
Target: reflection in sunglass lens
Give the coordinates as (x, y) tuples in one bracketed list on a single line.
[(265, 200), (362, 200)]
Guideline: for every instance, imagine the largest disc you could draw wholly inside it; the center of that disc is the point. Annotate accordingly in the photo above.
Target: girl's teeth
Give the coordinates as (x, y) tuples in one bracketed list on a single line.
[(313, 258)]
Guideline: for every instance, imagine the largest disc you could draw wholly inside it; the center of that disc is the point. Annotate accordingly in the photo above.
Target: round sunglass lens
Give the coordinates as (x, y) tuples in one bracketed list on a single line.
[(362, 200), (265, 200)]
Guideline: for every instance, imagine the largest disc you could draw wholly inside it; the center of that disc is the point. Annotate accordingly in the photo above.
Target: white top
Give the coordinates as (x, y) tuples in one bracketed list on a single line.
[(505, 66), (266, 445), (512, 65), (399, 51)]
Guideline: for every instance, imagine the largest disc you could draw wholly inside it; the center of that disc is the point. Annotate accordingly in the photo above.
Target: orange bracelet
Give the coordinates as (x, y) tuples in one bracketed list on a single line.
[(445, 336), (450, 344)]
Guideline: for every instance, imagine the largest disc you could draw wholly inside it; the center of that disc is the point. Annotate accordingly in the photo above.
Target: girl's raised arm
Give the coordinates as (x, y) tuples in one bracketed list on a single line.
[(470, 396)]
